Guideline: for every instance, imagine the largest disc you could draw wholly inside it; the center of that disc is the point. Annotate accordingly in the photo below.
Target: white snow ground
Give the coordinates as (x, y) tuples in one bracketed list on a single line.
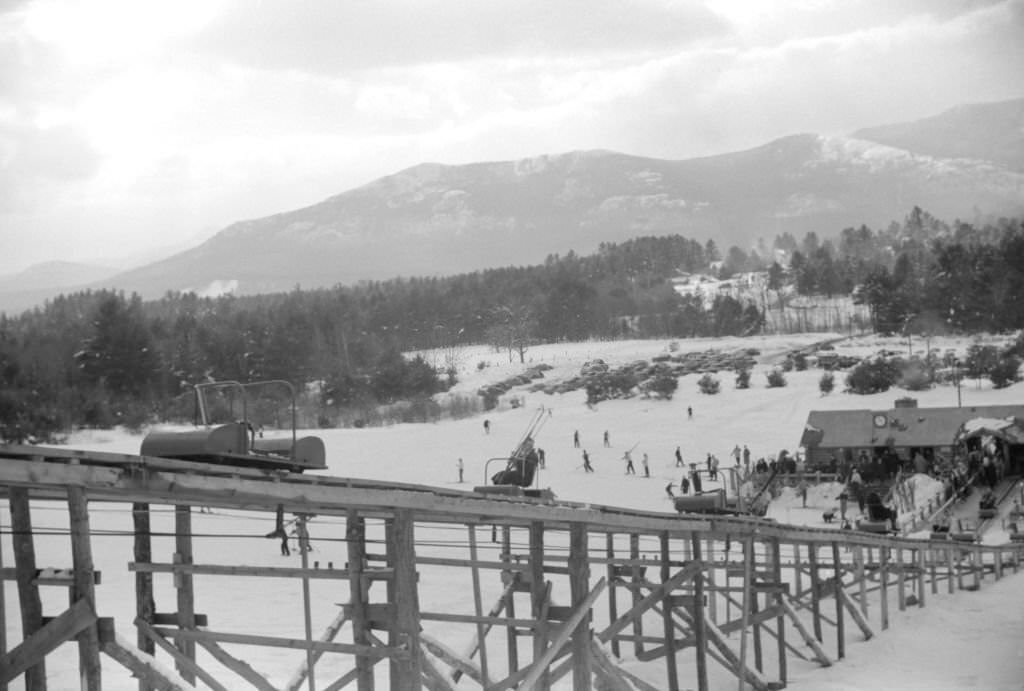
[(971, 640)]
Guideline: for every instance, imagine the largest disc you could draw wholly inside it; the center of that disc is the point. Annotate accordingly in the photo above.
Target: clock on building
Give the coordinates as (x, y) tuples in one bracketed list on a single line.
[(880, 420)]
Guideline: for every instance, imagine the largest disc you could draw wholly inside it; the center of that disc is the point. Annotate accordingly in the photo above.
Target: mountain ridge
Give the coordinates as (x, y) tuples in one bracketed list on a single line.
[(439, 219)]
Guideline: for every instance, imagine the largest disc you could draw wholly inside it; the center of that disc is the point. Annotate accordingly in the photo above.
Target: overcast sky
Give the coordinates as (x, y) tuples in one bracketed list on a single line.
[(128, 125)]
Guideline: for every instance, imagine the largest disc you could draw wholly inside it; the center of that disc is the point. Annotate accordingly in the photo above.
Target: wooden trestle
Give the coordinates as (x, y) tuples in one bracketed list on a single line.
[(617, 599)]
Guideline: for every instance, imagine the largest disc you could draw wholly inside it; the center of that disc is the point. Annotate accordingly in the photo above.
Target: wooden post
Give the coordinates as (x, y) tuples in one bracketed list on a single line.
[(920, 577), (183, 584), (355, 537), (978, 563), (840, 629), (748, 576), (84, 589), (478, 608), (883, 580), (145, 606), (25, 572), (538, 599), (951, 586), (638, 627), (711, 587), (666, 615), (901, 580), (510, 603), (862, 580), (780, 621), (933, 570), (3, 606), (699, 633), (812, 553), (304, 548), (402, 553), (613, 607), (579, 588)]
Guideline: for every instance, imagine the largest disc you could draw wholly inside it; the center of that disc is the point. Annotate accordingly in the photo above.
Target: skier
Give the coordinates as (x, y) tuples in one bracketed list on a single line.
[(668, 491), (576, 439), (586, 462), (689, 412), (647, 468), (460, 466), (607, 440), (679, 457), (630, 470), (684, 485), (487, 426)]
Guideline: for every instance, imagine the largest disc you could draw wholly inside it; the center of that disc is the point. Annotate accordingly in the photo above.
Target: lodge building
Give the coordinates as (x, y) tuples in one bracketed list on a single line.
[(906, 429)]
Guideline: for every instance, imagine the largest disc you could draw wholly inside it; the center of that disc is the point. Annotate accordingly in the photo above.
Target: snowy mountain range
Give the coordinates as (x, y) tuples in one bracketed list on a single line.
[(435, 219)]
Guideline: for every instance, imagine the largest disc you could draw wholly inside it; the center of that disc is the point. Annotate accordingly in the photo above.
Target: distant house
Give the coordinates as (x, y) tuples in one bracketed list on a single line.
[(906, 429)]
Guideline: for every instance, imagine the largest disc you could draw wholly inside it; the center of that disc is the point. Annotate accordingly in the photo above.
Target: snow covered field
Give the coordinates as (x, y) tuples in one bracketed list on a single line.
[(969, 640)]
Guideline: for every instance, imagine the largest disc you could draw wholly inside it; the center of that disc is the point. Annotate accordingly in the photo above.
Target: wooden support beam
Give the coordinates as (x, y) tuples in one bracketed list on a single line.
[(780, 620), (482, 636), (734, 663), (883, 581), (539, 601), (858, 618), (838, 583), (145, 605), (402, 554), (28, 592), (458, 663), (812, 557), (373, 651), (183, 586), (158, 641), (636, 577), (359, 590), (657, 593), (84, 588), (527, 678), (376, 574), (143, 666), (239, 667), (79, 617), (699, 632), (671, 670), (609, 675), (579, 586), (433, 679), (611, 575), (511, 645), (478, 608), (329, 634), (810, 640), (3, 607)]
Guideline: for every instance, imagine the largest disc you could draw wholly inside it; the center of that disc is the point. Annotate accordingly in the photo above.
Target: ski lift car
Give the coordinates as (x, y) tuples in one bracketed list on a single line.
[(236, 442)]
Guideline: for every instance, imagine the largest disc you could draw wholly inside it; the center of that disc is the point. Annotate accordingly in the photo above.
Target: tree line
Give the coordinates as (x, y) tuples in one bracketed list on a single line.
[(101, 358)]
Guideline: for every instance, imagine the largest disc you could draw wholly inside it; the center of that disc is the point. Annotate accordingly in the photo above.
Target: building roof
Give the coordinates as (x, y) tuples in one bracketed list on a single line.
[(902, 427)]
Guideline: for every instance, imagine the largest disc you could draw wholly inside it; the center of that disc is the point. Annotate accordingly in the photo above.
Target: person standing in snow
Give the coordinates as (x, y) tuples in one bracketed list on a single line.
[(647, 468), (684, 485), (586, 462), (607, 440), (487, 426), (695, 475), (679, 457), (668, 491), (628, 458), (460, 466), (576, 439)]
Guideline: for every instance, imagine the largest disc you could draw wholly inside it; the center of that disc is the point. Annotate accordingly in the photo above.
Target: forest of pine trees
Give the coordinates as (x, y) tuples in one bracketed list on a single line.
[(103, 358)]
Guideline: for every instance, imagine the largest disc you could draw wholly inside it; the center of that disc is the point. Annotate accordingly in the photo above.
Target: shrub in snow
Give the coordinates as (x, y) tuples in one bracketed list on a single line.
[(660, 386), (800, 362), (743, 378), (872, 376), (709, 384), (827, 383), (1005, 372), (776, 378), (916, 376)]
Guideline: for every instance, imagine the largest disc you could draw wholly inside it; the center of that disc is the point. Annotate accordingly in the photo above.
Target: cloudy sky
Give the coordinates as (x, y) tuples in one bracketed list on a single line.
[(131, 126)]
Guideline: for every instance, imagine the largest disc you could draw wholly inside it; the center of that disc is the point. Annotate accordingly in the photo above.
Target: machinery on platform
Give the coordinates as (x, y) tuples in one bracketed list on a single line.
[(521, 466), (230, 429)]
